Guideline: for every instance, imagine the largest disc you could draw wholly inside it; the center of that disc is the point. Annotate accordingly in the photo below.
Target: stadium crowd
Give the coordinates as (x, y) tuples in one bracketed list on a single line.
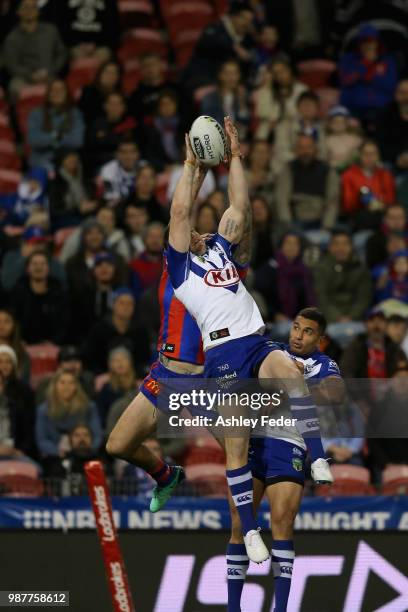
[(96, 97)]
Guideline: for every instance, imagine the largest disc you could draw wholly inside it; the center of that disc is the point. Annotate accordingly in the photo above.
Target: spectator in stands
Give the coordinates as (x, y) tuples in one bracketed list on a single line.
[(8, 429), (20, 400), (266, 50), (207, 219), (117, 177), (33, 51), (276, 99), (135, 219), (306, 123), (67, 405), (343, 287), (259, 175), (394, 223), (304, 27), (372, 354), (30, 197), (207, 188), (56, 125), (40, 303), (115, 237), (144, 194), (307, 192), (69, 360), (90, 30), (147, 267), (229, 98), (387, 427), (262, 230), (217, 200), (69, 198), (392, 130), (95, 302), (368, 76), (122, 379), (230, 37), (397, 330), (10, 335), (107, 81), (143, 100), (393, 283), (108, 131), (118, 329), (367, 189), (342, 141), (163, 135), (14, 262), (286, 284)]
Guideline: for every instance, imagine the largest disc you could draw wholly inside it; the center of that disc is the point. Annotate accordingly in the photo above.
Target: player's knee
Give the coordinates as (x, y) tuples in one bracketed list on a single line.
[(115, 446), (282, 520)]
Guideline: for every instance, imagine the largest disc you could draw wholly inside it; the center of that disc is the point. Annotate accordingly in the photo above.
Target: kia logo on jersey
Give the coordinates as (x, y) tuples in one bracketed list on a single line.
[(225, 277)]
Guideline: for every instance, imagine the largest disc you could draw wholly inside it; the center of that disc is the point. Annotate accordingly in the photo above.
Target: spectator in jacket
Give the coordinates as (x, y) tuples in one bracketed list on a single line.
[(33, 51), (342, 140), (143, 100), (30, 197), (393, 223), (107, 81), (307, 192), (367, 189), (343, 287), (147, 268), (276, 99), (144, 194), (262, 231), (163, 134), (229, 98), (135, 219), (397, 330), (372, 354), (107, 132), (40, 303), (230, 37), (393, 283), (69, 199), (10, 335), (34, 238), (115, 237), (79, 265), (118, 329), (122, 379), (56, 125), (392, 130), (286, 284), (20, 400), (368, 76), (117, 177), (266, 51), (67, 405), (261, 180), (306, 123)]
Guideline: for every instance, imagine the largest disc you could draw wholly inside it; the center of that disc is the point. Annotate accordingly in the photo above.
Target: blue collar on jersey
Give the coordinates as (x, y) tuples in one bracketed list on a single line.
[(314, 355)]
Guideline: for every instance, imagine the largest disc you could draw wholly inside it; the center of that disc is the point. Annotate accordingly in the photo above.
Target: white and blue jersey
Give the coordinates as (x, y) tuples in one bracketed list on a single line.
[(210, 287), (278, 453)]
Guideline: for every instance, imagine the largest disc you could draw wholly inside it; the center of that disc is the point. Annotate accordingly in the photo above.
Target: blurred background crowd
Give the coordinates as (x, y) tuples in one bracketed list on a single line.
[(95, 98)]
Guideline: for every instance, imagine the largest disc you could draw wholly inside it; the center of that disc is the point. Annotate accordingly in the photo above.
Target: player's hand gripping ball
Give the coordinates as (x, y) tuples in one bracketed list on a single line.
[(208, 141)]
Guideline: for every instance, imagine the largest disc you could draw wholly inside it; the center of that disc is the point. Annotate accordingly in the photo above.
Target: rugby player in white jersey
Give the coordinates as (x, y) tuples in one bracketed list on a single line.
[(277, 459), (206, 281)]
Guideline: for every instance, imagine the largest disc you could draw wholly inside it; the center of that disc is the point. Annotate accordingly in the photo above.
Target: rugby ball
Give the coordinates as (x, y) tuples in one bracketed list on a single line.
[(208, 140)]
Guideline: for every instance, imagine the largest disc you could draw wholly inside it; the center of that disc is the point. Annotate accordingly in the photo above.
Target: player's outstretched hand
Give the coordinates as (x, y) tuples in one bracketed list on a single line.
[(190, 157), (232, 136)]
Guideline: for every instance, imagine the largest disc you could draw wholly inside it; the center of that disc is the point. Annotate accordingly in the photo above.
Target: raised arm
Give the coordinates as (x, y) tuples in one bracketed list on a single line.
[(181, 205), (232, 222), (243, 252)]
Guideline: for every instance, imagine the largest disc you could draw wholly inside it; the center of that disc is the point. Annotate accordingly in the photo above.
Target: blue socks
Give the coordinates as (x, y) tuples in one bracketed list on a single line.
[(283, 555), (303, 410), (237, 566), (240, 484)]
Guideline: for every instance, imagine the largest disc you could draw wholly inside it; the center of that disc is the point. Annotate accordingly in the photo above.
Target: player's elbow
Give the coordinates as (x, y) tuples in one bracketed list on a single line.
[(178, 211)]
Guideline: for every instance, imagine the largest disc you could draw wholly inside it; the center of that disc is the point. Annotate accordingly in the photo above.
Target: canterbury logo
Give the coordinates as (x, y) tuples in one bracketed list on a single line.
[(232, 571), (286, 570), (244, 498), (225, 277)]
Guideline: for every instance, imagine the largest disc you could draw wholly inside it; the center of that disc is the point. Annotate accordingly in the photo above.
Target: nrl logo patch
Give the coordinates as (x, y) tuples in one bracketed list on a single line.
[(297, 464)]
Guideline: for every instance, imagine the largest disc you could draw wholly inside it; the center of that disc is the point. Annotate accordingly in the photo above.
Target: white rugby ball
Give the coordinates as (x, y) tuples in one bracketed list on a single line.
[(208, 140)]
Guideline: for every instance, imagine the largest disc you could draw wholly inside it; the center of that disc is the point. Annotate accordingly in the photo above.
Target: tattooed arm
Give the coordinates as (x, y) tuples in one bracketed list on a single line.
[(232, 222), (243, 252)]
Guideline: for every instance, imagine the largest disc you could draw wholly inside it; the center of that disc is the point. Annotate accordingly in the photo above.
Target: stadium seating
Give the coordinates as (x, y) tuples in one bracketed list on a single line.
[(348, 480), (316, 72), (82, 72), (60, 237), (19, 479), (8, 155), (9, 180), (44, 360), (395, 480), (141, 40), (204, 449), (136, 13), (208, 479), (6, 131)]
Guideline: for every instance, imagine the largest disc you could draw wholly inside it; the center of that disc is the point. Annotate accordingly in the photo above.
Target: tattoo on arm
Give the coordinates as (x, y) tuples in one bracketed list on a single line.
[(242, 254), (231, 228)]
